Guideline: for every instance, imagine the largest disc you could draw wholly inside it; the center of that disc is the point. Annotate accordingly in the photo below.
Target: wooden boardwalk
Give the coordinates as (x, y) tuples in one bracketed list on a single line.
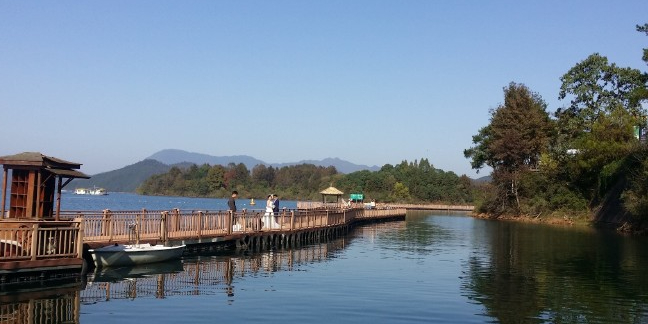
[(195, 227)]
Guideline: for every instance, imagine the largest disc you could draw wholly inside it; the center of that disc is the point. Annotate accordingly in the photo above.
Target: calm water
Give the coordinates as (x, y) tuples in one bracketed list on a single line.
[(430, 268)]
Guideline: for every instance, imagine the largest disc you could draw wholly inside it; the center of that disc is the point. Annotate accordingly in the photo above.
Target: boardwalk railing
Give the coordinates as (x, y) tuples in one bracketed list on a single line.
[(428, 207), (340, 205), (130, 226), (40, 240)]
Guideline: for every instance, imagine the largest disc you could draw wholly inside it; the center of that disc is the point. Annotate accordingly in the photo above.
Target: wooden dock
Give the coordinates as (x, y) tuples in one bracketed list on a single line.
[(39, 250), (177, 226)]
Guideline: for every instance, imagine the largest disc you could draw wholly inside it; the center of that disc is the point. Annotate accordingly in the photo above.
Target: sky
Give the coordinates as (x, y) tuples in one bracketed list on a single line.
[(109, 83)]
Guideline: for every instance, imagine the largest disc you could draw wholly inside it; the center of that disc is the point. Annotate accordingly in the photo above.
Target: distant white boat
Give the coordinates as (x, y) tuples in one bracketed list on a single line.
[(94, 191), (98, 191), (81, 191), (128, 255)]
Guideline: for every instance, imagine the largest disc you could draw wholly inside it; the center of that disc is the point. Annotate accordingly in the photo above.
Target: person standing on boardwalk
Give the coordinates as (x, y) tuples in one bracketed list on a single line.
[(231, 203), (275, 207), (267, 217)]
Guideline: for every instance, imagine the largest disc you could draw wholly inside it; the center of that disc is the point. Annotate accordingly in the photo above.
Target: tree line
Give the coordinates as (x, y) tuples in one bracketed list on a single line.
[(416, 181), (587, 157)]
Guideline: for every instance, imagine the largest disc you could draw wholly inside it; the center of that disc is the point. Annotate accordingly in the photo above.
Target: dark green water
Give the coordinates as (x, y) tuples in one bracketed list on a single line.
[(431, 268)]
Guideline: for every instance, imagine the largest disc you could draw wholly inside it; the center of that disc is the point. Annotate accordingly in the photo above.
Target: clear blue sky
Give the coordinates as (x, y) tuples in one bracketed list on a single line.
[(109, 83)]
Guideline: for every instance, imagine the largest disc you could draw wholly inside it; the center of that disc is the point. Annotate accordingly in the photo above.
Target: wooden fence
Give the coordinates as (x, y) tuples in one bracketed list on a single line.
[(40, 240)]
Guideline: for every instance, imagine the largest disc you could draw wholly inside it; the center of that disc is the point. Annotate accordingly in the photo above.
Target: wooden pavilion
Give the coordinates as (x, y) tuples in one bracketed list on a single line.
[(331, 191), (35, 178)]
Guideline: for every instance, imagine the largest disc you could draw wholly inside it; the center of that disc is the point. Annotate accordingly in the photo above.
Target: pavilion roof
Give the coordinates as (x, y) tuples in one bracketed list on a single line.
[(36, 159), (332, 191)]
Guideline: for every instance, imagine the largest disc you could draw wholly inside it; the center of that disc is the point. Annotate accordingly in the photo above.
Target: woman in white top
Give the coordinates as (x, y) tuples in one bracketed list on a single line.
[(268, 220)]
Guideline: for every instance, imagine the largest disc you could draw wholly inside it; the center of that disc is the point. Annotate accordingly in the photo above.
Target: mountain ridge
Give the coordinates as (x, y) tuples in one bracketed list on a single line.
[(174, 156)]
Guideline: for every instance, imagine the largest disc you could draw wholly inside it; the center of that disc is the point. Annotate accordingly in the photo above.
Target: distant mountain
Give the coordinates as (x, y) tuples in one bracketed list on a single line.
[(126, 179), (339, 164), (487, 178), (173, 156)]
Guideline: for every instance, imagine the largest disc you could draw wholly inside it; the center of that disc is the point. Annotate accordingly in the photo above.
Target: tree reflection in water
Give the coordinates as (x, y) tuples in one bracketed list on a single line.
[(526, 273)]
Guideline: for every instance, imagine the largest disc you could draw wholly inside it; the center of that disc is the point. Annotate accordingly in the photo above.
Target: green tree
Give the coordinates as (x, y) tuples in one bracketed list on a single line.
[(596, 88), (519, 131), (216, 178), (401, 192)]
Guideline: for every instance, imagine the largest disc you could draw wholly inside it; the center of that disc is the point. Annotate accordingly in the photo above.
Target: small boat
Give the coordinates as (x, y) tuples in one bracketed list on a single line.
[(127, 255)]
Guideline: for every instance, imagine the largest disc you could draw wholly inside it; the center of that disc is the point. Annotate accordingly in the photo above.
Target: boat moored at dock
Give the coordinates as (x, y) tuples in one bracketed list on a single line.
[(135, 254)]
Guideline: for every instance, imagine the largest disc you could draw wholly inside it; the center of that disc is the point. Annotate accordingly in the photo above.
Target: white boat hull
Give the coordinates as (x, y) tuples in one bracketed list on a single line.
[(128, 255)]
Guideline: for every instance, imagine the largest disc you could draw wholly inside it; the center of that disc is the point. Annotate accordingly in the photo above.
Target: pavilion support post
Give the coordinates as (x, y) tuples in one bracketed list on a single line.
[(39, 187), (58, 198), (5, 174)]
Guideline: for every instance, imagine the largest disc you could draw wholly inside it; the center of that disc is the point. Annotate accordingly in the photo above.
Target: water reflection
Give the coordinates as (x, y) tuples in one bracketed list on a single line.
[(534, 274), (417, 237), (194, 275), (199, 275), (58, 303), (432, 267)]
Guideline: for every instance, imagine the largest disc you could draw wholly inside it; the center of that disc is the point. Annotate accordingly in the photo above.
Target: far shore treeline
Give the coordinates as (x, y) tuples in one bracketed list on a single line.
[(416, 181), (587, 159)]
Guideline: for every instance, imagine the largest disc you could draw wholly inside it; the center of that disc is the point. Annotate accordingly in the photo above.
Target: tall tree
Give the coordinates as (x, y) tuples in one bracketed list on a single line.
[(519, 131), (596, 88)]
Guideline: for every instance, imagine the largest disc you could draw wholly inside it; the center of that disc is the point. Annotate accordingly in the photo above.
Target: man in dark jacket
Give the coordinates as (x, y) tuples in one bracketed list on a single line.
[(275, 207), (231, 203)]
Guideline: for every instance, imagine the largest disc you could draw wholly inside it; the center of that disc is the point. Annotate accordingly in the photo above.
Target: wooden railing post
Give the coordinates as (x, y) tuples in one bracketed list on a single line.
[(200, 221), (34, 242), (138, 223), (79, 240), (107, 221), (163, 226), (176, 219), (229, 222), (292, 220), (143, 227)]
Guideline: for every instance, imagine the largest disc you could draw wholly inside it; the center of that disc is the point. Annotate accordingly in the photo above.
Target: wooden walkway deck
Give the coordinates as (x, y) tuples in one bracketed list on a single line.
[(194, 227)]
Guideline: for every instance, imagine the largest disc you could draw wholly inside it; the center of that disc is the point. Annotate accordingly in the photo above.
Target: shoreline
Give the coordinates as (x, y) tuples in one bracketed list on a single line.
[(556, 221), (626, 228)]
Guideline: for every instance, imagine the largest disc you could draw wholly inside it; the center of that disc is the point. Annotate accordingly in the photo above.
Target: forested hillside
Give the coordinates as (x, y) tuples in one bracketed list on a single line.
[(405, 182)]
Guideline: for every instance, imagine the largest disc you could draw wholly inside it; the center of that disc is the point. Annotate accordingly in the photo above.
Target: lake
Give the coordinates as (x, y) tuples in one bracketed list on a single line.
[(434, 267)]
